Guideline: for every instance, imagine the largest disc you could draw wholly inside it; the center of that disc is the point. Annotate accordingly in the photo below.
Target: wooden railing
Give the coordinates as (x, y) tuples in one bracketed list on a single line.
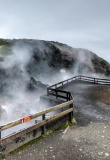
[(42, 123), (62, 83), (56, 89), (94, 80), (64, 95)]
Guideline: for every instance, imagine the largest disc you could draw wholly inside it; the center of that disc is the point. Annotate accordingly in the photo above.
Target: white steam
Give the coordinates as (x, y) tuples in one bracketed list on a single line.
[(21, 102)]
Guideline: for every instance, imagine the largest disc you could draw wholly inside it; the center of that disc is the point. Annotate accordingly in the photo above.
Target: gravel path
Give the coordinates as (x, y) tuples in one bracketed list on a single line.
[(88, 140)]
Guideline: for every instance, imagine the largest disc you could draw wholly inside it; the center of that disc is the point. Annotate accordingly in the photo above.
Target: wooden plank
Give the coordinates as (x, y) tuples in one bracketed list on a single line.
[(96, 78), (87, 80), (96, 81), (57, 95), (73, 78), (38, 125), (80, 76), (61, 91), (12, 124), (103, 81)]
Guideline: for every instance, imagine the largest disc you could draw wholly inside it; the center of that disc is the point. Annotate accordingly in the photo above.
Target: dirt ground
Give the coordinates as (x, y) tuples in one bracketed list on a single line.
[(89, 139)]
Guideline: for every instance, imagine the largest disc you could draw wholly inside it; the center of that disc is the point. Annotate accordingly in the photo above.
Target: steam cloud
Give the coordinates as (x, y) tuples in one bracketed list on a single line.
[(19, 65)]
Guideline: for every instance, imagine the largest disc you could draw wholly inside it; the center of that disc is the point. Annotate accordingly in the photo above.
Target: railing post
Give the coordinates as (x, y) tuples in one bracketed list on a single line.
[(56, 94), (71, 113), (67, 96), (0, 146), (97, 81), (62, 85), (80, 77), (94, 80), (47, 91), (43, 127), (67, 81)]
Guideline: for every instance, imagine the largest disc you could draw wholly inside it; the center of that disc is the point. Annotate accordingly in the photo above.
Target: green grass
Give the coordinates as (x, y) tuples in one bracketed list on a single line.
[(101, 60), (21, 148), (49, 132)]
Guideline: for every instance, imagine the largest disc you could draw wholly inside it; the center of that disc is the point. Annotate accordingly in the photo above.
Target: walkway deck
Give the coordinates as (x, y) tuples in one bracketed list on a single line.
[(90, 141)]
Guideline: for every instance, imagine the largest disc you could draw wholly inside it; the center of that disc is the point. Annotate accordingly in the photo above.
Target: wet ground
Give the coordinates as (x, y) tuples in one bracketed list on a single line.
[(91, 101), (88, 140)]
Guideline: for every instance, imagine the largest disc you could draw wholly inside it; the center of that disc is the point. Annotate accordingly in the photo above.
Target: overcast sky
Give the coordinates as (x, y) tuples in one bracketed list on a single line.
[(78, 23)]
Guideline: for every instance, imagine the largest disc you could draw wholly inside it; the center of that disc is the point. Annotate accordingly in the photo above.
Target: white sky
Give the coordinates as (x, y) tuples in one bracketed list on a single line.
[(78, 23)]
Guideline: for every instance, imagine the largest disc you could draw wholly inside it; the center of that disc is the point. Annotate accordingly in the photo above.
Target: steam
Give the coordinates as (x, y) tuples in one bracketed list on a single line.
[(16, 100), (34, 59)]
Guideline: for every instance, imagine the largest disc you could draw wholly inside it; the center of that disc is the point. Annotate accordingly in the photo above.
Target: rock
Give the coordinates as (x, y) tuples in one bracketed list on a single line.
[(44, 60), (107, 154), (36, 85)]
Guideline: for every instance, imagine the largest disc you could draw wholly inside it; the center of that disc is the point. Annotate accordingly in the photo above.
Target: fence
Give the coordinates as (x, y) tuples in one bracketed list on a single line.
[(68, 110), (95, 80), (56, 91), (57, 88)]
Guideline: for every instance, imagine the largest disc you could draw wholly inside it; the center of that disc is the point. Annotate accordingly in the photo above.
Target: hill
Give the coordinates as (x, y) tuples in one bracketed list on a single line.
[(46, 61)]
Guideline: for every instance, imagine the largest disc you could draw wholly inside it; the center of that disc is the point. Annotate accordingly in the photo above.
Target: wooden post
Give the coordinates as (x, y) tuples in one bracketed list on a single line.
[(97, 81), (94, 80), (62, 85), (67, 81), (67, 96), (71, 113), (80, 78), (47, 91), (72, 106), (0, 135), (56, 94), (43, 127), (0, 147)]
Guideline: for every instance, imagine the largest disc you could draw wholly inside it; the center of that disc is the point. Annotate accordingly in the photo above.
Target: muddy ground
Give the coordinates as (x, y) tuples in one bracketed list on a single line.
[(89, 139)]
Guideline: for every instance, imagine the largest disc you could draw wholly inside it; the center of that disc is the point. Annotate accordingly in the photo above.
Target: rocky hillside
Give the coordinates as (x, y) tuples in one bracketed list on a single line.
[(46, 61)]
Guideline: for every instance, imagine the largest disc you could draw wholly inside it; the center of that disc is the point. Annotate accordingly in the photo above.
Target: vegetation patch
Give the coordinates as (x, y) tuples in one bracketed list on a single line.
[(101, 59), (3, 42), (74, 121), (21, 148), (102, 62), (49, 132), (65, 125), (108, 90), (5, 50)]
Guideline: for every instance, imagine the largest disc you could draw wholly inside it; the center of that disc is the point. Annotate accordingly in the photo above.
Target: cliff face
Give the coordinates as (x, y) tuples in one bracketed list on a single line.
[(56, 56), (21, 59)]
